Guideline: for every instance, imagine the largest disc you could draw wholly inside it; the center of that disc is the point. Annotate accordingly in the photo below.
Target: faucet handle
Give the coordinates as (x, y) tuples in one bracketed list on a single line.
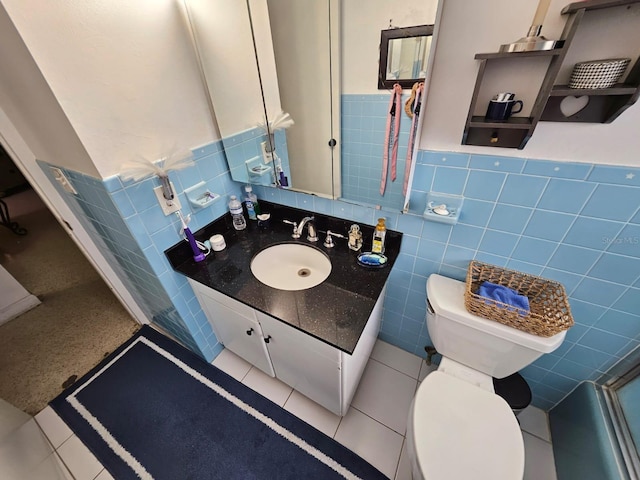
[(328, 242), (295, 233)]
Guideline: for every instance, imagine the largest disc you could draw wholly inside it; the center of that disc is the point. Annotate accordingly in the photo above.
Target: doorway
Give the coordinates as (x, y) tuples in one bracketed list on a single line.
[(79, 321)]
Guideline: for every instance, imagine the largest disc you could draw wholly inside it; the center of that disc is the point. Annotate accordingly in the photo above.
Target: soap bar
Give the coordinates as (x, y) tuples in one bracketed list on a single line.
[(372, 260)]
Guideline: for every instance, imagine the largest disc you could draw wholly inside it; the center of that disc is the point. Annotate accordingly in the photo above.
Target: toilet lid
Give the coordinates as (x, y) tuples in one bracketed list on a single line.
[(462, 431)]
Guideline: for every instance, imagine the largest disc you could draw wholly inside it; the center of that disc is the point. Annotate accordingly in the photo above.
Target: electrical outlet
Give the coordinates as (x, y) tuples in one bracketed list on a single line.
[(168, 206), (63, 180), (266, 156)]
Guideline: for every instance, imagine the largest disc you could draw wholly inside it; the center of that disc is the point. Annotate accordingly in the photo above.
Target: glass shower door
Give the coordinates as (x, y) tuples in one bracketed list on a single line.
[(624, 402)]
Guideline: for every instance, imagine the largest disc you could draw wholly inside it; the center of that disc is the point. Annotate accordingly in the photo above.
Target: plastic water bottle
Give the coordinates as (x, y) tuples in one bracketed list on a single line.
[(251, 202), (235, 207)]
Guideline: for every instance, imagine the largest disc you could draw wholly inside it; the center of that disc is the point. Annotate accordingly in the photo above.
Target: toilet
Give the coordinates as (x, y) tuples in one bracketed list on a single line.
[(458, 427)]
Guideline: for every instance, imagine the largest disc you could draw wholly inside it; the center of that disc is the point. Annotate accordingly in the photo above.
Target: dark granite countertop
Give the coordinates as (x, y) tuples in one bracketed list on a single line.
[(336, 311)]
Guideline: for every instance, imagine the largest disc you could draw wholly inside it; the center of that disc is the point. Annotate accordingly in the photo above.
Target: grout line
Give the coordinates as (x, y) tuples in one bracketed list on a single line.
[(246, 374), (379, 422), (536, 436), (404, 441), (288, 397), (392, 368), (338, 426)]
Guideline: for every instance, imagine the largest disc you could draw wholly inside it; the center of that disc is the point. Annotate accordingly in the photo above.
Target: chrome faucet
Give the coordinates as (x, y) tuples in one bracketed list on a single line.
[(311, 229)]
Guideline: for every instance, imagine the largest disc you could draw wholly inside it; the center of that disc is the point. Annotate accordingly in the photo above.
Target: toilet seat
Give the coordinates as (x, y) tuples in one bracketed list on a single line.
[(460, 431)]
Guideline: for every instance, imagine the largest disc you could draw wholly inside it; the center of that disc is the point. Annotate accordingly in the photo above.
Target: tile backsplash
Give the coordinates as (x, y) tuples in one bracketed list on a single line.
[(363, 127), (575, 223)]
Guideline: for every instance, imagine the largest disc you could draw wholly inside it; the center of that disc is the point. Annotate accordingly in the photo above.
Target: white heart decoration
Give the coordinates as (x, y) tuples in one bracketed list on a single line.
[(572, 105)]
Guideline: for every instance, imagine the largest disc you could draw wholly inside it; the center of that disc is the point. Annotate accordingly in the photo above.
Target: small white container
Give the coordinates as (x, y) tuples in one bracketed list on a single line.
[(217, 243)]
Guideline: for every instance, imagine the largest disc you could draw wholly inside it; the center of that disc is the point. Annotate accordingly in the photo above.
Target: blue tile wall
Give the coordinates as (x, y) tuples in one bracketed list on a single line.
[(533, 215), (364, 120), (574, 223)]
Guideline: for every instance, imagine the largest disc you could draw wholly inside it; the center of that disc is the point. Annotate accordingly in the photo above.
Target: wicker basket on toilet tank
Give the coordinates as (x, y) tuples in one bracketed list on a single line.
[(549, 308)]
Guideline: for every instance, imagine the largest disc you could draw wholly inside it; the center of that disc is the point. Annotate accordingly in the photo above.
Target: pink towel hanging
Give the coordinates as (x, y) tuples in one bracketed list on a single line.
[(412, 135), (391, 138)]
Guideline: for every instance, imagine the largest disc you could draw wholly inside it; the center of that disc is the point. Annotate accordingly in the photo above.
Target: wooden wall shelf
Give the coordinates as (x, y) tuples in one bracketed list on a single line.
[(604, 106)]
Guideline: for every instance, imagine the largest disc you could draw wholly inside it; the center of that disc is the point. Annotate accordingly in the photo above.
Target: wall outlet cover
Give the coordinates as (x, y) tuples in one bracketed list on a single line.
[(168, 206), (266, 156)]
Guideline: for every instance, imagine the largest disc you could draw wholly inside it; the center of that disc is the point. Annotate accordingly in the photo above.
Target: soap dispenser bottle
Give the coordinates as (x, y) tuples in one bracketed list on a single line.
[(355, 237), (379, 235)]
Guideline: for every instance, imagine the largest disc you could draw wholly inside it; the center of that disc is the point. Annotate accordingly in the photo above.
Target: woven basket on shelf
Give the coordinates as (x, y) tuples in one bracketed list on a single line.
[(598, 73), (549, 308)]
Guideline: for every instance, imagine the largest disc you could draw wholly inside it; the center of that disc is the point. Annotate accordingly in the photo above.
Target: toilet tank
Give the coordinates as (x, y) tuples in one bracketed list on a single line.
[(481, 344)]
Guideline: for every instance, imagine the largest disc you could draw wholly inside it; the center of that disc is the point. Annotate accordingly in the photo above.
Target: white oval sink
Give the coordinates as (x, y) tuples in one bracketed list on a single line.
[(291, 266)]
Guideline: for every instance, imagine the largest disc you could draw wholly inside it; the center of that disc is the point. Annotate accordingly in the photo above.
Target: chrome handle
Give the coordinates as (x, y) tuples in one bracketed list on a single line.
[(328, 242), (295, 233), (430, 308)]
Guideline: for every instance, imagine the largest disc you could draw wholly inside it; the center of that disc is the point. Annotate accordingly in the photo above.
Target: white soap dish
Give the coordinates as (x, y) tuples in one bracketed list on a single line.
[(443, 208), (199, 195)]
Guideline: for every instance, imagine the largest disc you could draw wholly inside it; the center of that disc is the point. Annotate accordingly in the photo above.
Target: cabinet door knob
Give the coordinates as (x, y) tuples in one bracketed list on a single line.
[(267, 339), (250, 331)]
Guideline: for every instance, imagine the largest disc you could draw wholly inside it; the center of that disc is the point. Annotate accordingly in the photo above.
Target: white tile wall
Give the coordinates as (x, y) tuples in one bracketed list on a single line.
[(374, 426)]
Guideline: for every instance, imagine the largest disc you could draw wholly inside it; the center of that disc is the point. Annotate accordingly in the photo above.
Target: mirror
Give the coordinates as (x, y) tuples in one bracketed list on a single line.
[(404, 55), (334, 148), (305, 42), (241, 82)]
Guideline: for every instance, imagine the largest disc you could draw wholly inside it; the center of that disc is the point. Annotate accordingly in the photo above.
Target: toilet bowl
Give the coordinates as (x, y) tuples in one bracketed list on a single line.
[(457, 430), (458, 427)]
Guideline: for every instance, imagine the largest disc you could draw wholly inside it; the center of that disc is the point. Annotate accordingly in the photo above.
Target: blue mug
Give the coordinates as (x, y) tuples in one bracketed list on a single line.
[(501, 111)]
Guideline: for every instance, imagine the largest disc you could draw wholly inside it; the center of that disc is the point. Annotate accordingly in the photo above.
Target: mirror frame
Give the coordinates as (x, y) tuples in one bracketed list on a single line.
[(391, 34)]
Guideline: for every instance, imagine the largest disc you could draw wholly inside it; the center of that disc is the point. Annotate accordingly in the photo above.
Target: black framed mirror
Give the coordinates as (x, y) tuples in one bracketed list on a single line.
[(404, 53)]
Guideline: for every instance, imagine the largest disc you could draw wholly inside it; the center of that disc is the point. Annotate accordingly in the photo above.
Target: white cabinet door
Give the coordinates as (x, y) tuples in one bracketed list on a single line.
[(303, 362), (239, 331)]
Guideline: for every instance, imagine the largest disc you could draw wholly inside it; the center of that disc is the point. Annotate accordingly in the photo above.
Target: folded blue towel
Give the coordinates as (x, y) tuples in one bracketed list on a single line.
[(505, 295)]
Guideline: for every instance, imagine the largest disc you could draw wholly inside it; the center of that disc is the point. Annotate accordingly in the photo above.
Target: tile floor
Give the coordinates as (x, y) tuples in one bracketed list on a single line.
[(374, 426)]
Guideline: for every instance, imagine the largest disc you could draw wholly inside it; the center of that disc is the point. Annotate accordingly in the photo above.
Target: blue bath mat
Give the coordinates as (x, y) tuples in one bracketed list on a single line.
[(153, 409)]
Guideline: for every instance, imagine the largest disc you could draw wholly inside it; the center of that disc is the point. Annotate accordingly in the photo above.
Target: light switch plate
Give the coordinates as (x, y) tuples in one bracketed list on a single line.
[(168, 206)]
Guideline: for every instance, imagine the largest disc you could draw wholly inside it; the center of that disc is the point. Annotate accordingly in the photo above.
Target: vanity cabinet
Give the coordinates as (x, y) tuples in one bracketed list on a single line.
[(310, 366), (236, 326), (318, 370), (604, 105)]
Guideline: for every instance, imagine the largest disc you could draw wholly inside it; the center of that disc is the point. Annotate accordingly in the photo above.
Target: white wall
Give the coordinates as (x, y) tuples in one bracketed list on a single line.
[(468, 28), (125, 76), (362, 23), (223, 32), (26, 98), (123, 72)]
